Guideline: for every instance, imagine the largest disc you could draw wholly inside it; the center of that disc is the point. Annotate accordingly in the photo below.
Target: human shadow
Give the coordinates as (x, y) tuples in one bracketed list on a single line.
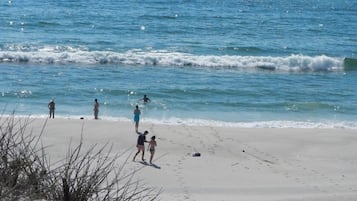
[(155, 166), (150, 164)]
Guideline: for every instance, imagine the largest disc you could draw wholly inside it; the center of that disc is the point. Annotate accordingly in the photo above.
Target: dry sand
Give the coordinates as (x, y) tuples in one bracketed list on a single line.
[(236, 164)]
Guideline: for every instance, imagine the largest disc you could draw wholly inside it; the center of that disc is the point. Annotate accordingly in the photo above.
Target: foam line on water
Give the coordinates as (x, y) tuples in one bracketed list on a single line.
[(213, 123), (83, 56)]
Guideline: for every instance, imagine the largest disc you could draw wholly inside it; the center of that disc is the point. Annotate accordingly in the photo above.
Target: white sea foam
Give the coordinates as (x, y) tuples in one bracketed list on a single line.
[(257, 124), (70, 55), (208, 123)]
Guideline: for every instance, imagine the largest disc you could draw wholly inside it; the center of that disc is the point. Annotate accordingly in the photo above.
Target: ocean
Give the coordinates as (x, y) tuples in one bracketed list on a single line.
[(243, 63)]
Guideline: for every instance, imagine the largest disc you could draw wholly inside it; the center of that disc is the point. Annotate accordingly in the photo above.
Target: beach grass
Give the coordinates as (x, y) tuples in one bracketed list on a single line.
[(93, 174)]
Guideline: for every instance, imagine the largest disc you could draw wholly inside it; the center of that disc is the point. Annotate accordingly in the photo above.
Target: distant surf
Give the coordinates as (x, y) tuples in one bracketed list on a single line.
[(82, 56)]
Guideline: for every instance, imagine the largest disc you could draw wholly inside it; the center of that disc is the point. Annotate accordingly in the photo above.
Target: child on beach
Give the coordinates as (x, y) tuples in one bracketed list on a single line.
[(151, 147)]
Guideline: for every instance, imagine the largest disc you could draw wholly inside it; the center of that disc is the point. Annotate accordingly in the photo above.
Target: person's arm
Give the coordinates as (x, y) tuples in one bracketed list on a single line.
[(149, 146)]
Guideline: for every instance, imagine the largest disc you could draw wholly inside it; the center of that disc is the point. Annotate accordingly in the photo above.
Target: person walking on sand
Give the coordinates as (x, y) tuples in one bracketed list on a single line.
[(137, 113), (51, 107), (96, 109), (151, 147), (140, 145)]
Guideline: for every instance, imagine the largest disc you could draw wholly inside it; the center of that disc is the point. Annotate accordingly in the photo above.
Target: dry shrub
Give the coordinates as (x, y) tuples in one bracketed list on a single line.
[(22, 159), (84, 175)]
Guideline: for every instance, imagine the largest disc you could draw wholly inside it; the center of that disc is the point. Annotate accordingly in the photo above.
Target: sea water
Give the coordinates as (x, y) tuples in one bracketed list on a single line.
[(257, 63)]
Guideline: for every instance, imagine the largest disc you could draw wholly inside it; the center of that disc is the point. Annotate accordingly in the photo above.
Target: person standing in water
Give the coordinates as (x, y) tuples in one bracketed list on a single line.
[(151, 147), (51, 107), (137, 113), (146, 99), (96, 109)]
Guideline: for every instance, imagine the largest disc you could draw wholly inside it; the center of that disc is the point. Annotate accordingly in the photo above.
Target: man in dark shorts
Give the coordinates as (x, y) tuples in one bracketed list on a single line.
[(140, 144), (51, 107)]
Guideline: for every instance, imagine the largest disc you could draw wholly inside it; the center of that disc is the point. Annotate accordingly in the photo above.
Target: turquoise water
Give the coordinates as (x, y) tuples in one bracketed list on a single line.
[(232, 63)]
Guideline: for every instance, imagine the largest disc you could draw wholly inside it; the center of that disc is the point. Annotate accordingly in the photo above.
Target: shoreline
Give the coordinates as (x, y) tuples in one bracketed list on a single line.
[(235, 164), (205, 122)]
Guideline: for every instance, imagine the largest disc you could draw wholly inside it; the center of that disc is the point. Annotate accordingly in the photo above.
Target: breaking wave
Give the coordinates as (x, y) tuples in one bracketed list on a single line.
[(83, 56)]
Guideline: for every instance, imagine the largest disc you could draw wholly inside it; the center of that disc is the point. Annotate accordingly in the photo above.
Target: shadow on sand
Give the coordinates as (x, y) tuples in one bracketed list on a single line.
[(151, 165)]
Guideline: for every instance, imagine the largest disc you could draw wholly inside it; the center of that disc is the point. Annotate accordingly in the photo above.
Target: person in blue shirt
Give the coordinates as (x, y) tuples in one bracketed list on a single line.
[(137, 113)]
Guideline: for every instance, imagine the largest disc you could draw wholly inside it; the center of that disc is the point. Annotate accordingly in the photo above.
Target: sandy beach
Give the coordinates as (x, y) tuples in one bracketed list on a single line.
[(246, 164), (250, 100)]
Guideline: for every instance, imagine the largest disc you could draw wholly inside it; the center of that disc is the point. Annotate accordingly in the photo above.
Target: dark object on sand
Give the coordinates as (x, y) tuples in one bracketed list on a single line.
[(197, 154)]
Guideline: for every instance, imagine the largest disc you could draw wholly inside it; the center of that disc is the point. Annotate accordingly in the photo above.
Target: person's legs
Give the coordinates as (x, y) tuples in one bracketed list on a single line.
[(142, 155), (136, 153), (141, 148), (136, 125), (152, 156), (52, 114)]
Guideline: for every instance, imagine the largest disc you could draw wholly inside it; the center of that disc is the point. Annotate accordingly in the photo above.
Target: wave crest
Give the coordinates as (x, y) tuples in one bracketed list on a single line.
[(70, 55)]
